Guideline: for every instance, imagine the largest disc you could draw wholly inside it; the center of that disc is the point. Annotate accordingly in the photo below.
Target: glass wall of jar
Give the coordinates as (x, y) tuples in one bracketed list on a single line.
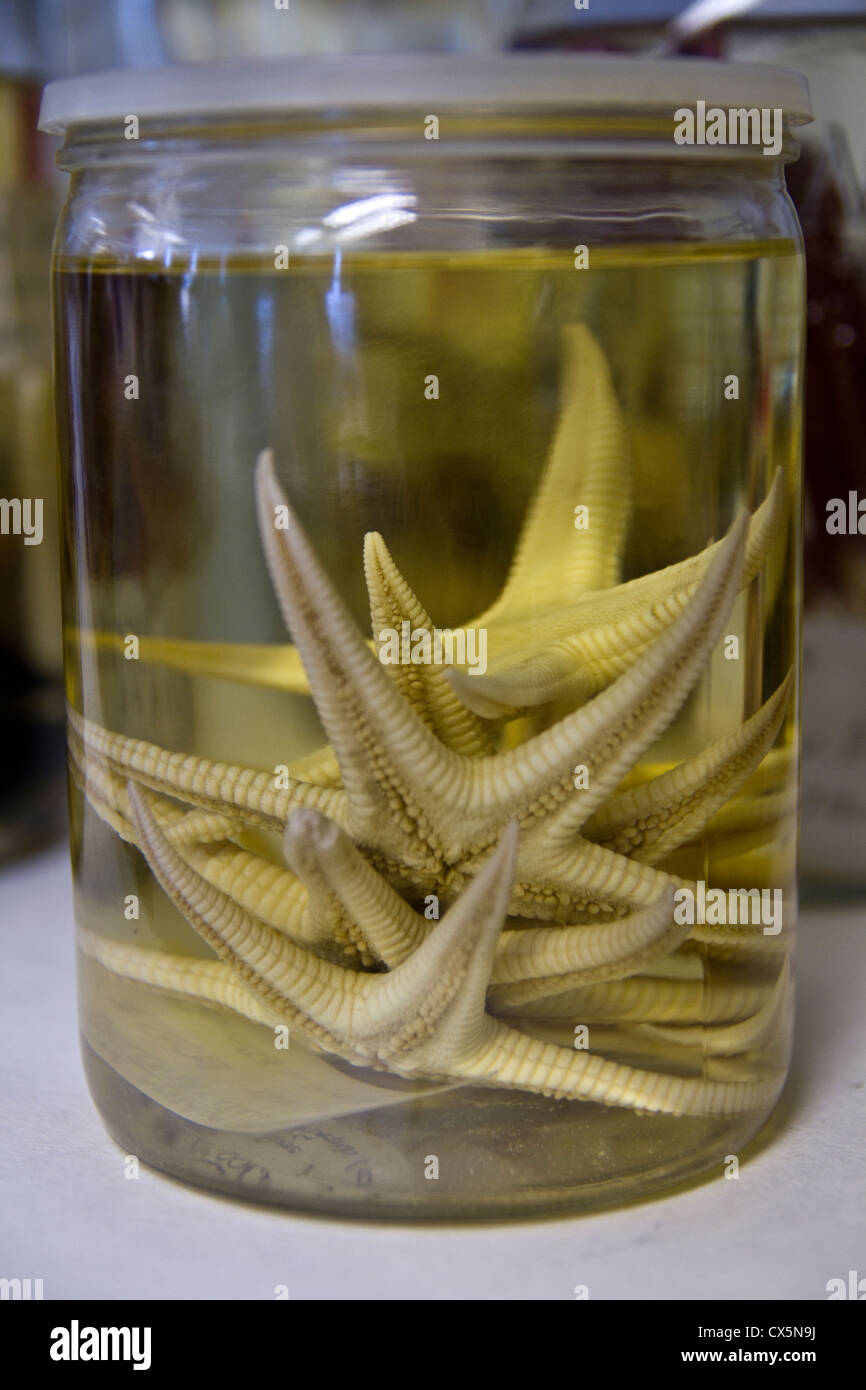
[(431, 444)]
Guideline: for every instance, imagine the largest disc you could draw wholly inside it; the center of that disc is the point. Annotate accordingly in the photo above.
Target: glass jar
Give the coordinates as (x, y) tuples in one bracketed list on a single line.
[(430, 434)]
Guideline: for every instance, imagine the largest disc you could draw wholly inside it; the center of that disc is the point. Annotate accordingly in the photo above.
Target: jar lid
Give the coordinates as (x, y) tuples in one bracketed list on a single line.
[(386, 82)]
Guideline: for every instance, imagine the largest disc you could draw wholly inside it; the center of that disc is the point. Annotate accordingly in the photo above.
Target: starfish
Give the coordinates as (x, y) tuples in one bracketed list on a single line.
[(416, 804), (415, 794), (425, 813), (570, 651), (340, 905), (425, 1018), (341, 885), (354, 909)]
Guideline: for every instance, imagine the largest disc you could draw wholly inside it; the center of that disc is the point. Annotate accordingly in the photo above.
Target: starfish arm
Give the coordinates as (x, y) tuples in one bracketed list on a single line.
[(236, 792), (727, 1039), (608, 735), (522, 1062), (650, 821), (279, 899), (760, 849), (728, 942), (576, 650), (450, 971), (270, 893), (755, 813), (670, 588), (557, 671), (573, 881), (206, 981), (343, 883), (100, 787), (268, 666), (682, 965), (392, 602), (648, 999), (106, 792), (201, 827), (319, 767), (588, 465), (534, 962), (425, 689), (384, 750), (765, 527)]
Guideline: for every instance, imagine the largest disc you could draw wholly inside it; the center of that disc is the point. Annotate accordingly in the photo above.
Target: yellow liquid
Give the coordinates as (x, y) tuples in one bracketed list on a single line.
[(331, 365)]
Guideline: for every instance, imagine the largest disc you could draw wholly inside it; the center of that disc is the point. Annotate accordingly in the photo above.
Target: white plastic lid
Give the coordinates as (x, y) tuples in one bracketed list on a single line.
[(509, 82)]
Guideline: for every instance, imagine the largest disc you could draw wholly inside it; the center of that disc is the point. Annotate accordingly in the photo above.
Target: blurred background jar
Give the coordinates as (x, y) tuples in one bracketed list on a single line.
[(32, 795)]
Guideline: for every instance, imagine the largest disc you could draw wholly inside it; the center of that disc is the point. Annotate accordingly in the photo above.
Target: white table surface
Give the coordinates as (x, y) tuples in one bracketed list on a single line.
[(794, 1219)]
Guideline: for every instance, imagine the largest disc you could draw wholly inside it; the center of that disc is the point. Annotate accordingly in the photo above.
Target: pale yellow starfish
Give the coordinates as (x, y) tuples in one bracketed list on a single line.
[(346, 899), (570, 651), (427, 1017), (337, 900), (411, 797), (423, 812)]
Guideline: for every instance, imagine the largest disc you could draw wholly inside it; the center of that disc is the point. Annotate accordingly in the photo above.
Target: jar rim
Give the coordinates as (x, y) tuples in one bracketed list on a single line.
[(515, 82)]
